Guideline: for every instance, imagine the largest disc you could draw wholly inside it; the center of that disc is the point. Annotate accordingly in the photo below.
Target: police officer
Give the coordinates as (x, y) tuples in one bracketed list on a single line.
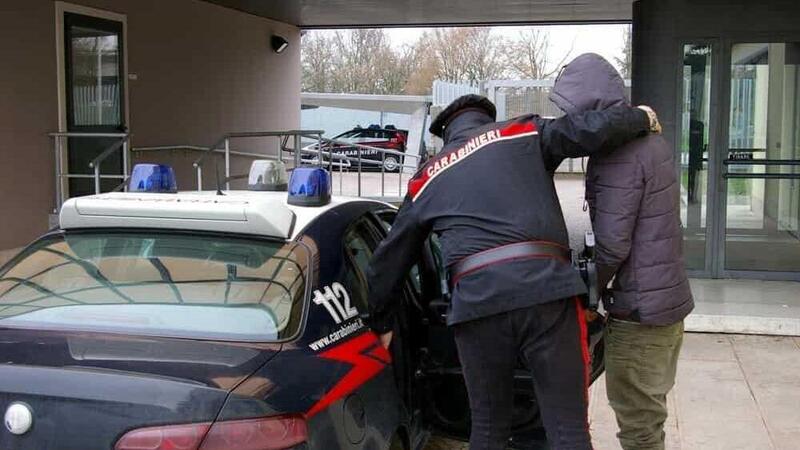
[(490, 198)]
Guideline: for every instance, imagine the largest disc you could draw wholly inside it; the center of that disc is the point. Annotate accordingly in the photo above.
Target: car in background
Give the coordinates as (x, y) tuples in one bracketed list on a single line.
[(387, 137)]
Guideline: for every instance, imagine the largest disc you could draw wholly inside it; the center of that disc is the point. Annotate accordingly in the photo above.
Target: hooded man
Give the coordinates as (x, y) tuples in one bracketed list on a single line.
[(633, 197), (489, 197)]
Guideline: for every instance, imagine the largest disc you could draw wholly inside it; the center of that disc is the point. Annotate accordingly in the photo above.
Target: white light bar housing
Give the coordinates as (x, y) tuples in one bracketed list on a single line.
[(263, 216)]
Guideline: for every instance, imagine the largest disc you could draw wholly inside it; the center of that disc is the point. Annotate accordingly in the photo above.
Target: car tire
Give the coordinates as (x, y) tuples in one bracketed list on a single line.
[(391, 163)]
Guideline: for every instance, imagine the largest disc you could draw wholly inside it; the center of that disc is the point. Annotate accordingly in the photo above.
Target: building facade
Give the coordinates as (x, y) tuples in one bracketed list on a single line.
[(725, 79), (177, 73)]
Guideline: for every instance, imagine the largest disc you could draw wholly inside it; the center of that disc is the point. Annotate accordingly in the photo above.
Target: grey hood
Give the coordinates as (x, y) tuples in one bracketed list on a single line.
[(589, 82)]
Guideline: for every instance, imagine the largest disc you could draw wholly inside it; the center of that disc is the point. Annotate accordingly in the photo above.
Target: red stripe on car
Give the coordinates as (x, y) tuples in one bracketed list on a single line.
[(367, 357)]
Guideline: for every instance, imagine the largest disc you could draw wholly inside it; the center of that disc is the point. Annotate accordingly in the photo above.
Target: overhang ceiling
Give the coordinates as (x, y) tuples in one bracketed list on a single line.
[(367, 13)]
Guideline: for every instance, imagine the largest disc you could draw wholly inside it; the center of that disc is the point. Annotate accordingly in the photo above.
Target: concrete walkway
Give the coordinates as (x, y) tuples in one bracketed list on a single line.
[(732, 392)]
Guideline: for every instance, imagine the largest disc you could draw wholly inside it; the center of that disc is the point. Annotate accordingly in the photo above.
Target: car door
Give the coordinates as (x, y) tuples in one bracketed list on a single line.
[(360, 242)]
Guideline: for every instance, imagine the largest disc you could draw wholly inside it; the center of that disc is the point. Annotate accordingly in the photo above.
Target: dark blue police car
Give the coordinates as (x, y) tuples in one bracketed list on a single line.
[(202, 321)]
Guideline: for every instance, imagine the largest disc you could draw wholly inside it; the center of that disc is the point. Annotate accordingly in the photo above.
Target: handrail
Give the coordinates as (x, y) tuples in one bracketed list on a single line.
[(359, 160), (763, 176), (761, 162), (161, 148), (121, 141), (95, 163), (87, 134), (224, 141)]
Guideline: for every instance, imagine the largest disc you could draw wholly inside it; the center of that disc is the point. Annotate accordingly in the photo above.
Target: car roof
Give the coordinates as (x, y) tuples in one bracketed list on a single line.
[(258, 213)]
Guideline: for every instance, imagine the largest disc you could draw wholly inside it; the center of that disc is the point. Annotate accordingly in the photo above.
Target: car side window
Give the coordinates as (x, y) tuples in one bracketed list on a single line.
[(358, 247), (386, 218)]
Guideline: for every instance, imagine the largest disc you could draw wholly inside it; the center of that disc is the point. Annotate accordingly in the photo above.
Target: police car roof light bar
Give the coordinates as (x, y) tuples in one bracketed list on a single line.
[(155, 178), (309, 186)]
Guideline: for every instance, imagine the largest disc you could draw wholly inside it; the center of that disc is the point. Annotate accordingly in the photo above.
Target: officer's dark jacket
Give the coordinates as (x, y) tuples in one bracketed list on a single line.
[(491, 185)]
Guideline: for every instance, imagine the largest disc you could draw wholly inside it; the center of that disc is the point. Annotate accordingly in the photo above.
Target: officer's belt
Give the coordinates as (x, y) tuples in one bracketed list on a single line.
[(507, 253)]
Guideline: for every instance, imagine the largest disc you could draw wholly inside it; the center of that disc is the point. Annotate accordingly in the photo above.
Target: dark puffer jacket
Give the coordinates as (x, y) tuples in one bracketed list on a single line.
[(633, 195)]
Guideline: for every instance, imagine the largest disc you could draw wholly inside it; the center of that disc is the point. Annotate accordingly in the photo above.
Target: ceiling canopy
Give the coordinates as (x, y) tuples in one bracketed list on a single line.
[(368, 13)]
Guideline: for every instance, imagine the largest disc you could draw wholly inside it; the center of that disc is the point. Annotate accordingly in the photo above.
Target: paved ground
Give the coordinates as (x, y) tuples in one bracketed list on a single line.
[(733, 392)]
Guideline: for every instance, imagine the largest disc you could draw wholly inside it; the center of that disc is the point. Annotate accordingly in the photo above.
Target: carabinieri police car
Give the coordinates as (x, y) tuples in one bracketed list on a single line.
[(158, 320)]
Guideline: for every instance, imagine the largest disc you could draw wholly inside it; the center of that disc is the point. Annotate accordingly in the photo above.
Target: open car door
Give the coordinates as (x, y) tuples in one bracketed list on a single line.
[(447, 408)]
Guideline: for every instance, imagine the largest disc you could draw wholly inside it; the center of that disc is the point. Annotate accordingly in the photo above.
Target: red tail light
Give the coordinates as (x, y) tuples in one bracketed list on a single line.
[(172, 437), (267, 433), (399, 137)]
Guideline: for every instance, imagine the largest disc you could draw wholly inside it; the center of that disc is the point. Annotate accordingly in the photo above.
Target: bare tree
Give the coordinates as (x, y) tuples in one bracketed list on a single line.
[(364, 61), (466, 54), (529, 55), (356, 61), (317, 63), (625, 61), (423, 66)]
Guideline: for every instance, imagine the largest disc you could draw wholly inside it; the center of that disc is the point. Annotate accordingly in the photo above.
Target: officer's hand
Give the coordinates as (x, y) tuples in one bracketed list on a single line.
[(386, 339), (655, 125)]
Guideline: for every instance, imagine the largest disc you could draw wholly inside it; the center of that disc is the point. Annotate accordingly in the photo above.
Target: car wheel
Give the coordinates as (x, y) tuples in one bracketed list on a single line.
[(390, 163)]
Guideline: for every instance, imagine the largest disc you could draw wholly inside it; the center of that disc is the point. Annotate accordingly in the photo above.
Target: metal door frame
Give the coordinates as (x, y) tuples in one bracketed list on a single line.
[(720, 192), (61, 9), (714, 139)]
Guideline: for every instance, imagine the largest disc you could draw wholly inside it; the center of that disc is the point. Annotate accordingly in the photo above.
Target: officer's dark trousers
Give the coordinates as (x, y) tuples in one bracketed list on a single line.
[(548, 339)]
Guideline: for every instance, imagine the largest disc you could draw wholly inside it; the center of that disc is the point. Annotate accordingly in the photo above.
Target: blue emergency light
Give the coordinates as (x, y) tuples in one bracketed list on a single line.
[(309, 186), (152, 178)]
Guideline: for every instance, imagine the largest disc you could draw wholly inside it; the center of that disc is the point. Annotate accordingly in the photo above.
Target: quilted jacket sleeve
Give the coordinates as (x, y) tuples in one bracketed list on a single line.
[(615, 187)]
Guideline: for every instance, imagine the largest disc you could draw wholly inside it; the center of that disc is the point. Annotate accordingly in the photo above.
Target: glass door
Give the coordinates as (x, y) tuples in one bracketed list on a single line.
[(761, 208), (94, 75), (694, 139)]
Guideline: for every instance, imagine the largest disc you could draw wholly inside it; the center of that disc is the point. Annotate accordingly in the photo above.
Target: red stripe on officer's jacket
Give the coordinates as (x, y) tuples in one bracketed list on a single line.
[(515, 128), (368, 358), (586, 357), (444, 161)]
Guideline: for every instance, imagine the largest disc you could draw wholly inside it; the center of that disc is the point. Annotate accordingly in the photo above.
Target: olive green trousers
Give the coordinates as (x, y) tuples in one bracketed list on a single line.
[(641, 361)]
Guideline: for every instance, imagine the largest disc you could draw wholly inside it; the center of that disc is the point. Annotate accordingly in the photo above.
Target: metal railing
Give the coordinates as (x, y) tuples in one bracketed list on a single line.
[(322, 152), (120, 143), (225, 142), (359, 162)]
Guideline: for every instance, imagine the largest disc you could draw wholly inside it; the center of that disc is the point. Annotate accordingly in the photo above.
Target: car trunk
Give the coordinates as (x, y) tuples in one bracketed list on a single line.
[(86, 390)]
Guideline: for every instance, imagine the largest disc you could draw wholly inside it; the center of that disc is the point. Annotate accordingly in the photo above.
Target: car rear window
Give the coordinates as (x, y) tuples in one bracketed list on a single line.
[(158, 284)]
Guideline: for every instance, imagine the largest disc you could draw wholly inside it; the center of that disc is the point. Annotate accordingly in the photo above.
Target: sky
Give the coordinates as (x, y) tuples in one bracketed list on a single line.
[(605, 40)]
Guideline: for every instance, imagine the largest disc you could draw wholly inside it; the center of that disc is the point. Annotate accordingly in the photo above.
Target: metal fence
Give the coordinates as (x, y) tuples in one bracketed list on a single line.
[(445, 92), (517, 97)]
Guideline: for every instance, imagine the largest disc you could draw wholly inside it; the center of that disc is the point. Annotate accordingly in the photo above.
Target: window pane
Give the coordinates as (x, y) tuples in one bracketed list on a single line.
[(95, 77), (359, 252), (694, 144), (158, 284), (763, 212)]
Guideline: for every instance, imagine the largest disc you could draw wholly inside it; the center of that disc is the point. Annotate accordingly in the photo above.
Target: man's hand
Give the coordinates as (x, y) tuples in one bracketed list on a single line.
[(655, 125), (386, 339)]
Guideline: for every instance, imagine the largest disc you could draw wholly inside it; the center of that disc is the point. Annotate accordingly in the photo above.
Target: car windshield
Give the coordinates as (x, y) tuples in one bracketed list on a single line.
[(158, 284)]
